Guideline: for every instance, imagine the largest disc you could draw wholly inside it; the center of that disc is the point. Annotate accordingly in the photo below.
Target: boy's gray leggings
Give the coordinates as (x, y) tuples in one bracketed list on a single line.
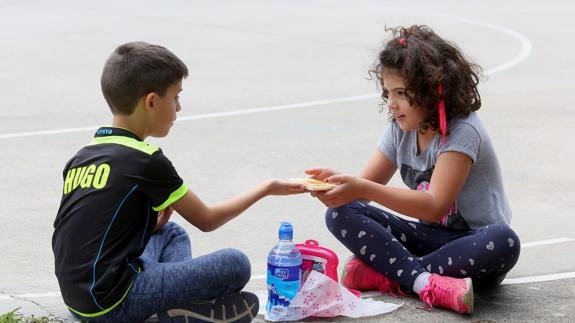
[(171, 278)]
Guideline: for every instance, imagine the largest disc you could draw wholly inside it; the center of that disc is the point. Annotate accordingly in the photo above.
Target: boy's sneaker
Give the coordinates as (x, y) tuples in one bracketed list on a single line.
[(359, 276), (239, 307), (452, 293)]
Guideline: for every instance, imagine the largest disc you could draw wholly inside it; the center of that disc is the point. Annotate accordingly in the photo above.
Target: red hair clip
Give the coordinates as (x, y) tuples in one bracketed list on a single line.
[(441, 114), (402, 42)]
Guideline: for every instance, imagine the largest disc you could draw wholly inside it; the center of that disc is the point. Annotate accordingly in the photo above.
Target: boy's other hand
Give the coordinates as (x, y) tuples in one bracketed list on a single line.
[(163, 217), (282, 187), (320, 173)]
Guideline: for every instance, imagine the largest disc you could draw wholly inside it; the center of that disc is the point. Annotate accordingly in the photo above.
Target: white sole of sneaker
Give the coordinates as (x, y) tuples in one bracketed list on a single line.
[(468, 297), (237, 308)]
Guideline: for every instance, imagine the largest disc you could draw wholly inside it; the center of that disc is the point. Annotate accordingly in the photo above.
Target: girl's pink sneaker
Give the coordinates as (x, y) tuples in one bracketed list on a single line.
[(452, 293), (359, 276)]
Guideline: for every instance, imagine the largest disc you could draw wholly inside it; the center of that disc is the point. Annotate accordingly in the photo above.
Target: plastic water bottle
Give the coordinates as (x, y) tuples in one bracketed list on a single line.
[(284, 273)]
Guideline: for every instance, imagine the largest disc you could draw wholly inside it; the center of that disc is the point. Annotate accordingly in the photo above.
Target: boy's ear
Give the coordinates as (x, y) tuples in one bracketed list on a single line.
[(150, 101)]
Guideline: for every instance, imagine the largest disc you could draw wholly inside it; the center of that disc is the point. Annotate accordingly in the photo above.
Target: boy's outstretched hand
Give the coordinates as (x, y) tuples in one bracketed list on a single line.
[(282, 187)]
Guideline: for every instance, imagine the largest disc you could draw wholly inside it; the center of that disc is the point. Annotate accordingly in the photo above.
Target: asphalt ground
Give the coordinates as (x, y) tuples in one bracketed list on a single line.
[(276, 87)]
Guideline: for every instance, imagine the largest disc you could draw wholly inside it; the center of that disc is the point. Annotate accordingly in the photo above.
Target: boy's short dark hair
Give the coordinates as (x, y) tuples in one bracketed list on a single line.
[(135, 69)]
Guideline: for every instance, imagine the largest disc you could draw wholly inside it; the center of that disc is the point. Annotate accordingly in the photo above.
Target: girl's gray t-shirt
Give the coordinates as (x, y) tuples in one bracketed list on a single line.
[(482, 199)]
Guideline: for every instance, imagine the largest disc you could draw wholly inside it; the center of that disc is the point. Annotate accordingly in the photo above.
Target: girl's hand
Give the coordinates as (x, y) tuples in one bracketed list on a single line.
[(320, 173), (279, 187), (163, 217), (349, 189)]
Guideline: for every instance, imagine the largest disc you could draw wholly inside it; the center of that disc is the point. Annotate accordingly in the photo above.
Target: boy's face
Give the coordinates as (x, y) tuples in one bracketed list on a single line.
[(165, 109), (407, 116)]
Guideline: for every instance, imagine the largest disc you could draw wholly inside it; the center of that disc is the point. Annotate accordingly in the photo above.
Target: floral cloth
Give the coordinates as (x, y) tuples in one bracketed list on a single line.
[(320, 296)]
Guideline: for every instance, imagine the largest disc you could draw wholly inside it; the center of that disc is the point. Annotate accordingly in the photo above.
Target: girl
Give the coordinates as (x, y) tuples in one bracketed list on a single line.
[(446, 158)]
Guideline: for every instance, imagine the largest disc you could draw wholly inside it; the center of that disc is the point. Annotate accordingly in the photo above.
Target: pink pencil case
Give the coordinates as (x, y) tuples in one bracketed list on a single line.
[(317, 258), (320, 259)]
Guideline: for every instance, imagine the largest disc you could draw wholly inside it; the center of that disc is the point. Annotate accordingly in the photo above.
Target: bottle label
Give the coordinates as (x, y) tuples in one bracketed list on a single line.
[(283, 284), (286, 274)]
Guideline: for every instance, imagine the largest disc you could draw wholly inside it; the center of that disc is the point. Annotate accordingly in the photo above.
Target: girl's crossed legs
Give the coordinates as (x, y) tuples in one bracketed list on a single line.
[(402, 249)]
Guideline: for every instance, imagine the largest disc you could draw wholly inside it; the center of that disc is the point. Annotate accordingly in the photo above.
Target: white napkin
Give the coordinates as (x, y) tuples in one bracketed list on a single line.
[(321, 296)]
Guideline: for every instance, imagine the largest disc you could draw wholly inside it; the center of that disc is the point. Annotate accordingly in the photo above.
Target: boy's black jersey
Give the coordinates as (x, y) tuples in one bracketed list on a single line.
[(113, 189)]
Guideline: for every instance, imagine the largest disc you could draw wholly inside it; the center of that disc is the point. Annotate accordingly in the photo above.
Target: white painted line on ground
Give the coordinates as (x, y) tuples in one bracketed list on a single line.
[(546, 242), (279, 107), (526, 48), (206, 115), (46, 132), (508, 281), (536, 279), (37, 295)]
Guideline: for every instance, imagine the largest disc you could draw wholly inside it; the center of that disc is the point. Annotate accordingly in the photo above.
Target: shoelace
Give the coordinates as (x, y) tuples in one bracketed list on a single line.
[(430, 297), (393, 287), (384, 284), (369, 277)]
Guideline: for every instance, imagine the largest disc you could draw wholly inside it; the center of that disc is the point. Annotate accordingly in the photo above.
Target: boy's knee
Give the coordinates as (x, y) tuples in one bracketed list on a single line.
[(172, 227), (239, 263)]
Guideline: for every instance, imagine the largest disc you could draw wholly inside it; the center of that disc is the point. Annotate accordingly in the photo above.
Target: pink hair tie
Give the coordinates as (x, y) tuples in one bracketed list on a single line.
[(402, 42), (441, 112)]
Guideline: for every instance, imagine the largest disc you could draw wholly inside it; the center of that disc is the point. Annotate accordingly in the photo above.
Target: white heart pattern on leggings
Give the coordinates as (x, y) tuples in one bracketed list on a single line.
[(490, 246), (333, 214), (361, 234), (362, 250), (511, 242), (343, 233)]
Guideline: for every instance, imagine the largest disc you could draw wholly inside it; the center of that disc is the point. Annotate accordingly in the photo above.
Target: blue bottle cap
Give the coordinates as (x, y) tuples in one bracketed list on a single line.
[(285, 231)]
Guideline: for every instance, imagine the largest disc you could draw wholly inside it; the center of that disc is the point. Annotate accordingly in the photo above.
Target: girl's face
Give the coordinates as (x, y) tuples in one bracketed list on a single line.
[(408, 116)]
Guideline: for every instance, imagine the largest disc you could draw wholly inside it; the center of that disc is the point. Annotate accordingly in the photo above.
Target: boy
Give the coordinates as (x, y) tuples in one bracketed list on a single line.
[(117, 258)]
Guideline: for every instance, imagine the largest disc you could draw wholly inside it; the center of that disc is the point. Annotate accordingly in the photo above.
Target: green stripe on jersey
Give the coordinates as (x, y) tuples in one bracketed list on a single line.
[(126, 141), (176, 195), (109, 308)]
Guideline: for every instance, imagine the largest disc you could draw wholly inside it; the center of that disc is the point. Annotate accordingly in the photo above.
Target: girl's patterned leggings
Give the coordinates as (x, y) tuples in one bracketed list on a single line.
[(402, 249)]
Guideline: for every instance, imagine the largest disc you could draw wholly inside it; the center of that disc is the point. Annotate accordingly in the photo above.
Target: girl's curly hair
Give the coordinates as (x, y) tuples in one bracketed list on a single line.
[(424, 60)]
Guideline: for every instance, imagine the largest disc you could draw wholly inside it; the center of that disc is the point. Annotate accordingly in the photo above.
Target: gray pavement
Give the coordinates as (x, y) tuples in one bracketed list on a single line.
[(305, 63)]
